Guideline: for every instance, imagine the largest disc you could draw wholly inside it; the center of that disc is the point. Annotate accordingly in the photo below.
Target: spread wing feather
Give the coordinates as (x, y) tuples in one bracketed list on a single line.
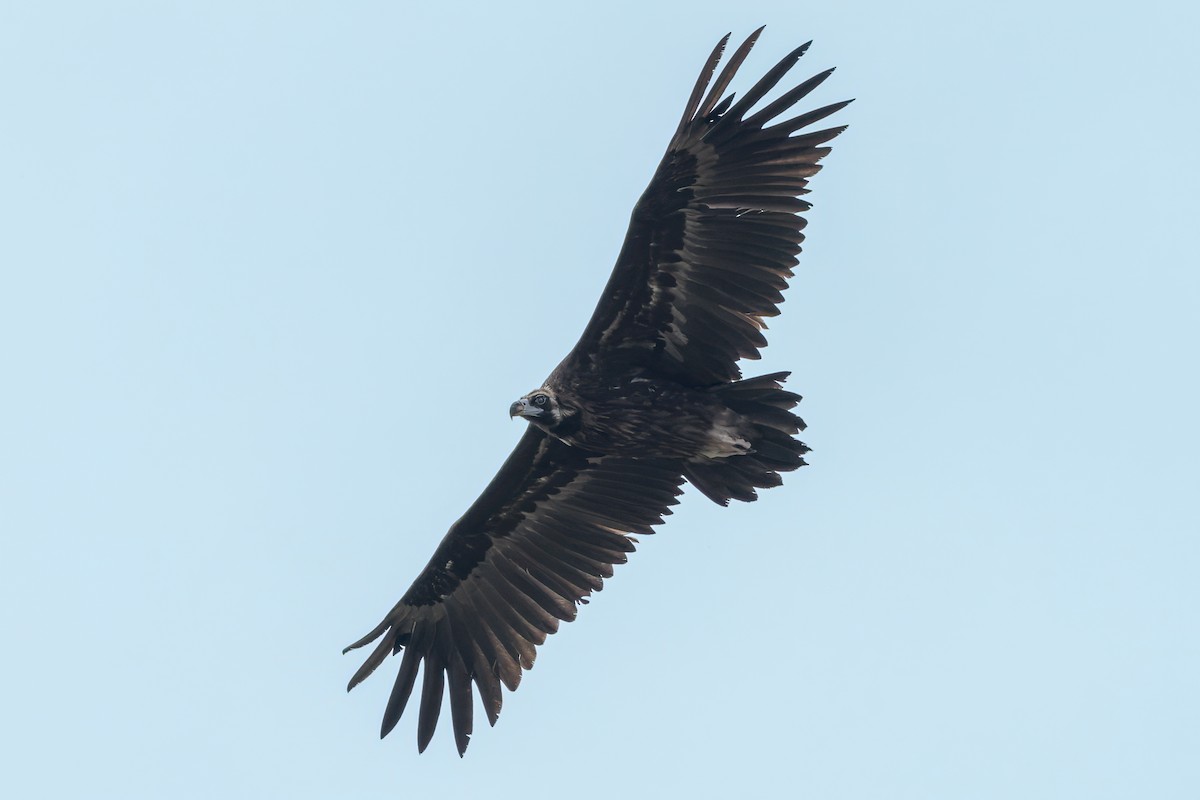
[(541, 538), (714, 237)]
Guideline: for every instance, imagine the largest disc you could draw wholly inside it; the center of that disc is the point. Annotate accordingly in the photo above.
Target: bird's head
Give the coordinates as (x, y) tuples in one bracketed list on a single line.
[(541, 407)]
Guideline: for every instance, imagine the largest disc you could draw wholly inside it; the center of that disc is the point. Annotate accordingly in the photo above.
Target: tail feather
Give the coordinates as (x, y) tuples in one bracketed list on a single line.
[(766, 406)]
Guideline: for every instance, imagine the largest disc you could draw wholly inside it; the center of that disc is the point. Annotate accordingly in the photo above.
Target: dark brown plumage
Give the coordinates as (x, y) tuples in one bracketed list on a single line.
[(651, 395)]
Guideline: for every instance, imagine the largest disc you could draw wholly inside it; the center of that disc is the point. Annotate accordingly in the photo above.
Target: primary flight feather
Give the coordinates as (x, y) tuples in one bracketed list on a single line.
[(649, 397)]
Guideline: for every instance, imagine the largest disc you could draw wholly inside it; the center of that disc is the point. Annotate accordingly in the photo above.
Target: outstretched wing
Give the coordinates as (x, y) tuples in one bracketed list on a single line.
[(712, 241), (543, 535)]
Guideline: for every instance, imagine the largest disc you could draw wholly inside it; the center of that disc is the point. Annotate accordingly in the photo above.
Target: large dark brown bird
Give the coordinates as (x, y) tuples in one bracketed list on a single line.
[(650, 396)]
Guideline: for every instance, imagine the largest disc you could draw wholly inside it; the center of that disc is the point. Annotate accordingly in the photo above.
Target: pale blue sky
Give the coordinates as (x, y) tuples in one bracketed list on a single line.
[(272, 273)]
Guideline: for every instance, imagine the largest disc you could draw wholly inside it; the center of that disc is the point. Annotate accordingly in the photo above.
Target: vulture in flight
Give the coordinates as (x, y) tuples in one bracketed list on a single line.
[(651, 396)]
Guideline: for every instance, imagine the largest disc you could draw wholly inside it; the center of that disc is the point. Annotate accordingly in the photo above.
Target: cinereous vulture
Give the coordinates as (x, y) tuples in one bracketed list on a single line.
[(649, 397)]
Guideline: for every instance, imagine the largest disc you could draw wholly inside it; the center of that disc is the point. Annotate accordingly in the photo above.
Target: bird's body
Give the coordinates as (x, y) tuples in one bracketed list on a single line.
[(613, 417), (650, 397)]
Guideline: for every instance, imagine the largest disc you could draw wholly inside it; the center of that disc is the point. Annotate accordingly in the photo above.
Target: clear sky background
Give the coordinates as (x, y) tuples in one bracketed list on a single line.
[(271, 273)]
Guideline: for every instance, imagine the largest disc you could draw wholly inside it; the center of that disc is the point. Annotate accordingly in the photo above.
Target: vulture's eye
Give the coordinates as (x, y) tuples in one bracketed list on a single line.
[(539, 399)]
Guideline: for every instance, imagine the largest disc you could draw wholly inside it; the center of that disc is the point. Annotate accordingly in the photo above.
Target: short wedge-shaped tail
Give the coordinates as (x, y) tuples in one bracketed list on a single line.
[(766, 405)]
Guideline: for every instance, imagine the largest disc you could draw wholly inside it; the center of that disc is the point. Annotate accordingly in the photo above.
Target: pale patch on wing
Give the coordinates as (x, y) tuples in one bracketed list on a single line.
[(725, 438)]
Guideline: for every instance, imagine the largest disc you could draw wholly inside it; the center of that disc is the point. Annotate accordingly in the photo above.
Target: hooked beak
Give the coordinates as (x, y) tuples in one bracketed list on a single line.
[(522, 408)]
